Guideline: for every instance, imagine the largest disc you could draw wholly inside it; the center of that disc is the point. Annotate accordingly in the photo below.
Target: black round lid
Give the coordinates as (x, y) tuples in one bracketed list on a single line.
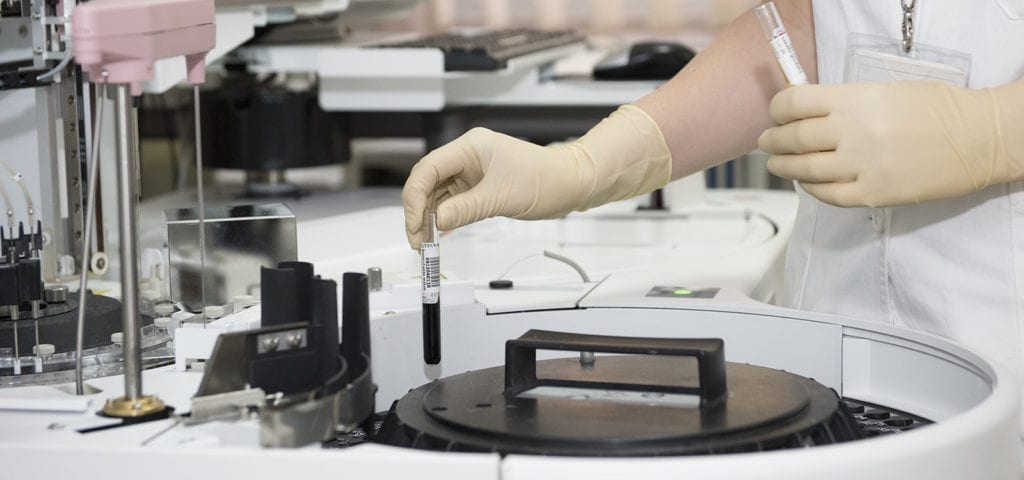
[(662, 403)]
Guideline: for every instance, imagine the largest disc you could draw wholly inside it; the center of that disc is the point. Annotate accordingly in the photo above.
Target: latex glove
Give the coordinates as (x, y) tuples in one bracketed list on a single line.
[(484, 174), (885, 144)]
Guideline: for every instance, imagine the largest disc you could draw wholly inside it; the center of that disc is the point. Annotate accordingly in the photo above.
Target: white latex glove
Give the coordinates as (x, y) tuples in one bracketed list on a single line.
[(484, 174), (885, 144)]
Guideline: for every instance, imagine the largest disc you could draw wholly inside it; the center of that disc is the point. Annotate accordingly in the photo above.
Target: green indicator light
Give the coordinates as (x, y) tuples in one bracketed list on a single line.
[(683, 291)]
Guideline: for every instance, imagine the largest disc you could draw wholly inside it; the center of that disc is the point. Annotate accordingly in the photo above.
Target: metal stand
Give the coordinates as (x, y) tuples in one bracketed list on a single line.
[(134, 403)]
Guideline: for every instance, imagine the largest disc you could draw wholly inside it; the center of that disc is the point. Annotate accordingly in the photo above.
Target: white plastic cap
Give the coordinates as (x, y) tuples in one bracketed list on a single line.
[(213, 311), (164, 309), (44, 349), (117, 338), (65, 266), (161, 322), (242, 301)]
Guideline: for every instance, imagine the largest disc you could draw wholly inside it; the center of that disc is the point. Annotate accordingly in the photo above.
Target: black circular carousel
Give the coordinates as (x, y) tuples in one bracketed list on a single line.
[(650, 397)]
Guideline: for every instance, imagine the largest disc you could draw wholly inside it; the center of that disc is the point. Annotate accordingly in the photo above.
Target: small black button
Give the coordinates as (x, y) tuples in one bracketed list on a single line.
[(500, 284)]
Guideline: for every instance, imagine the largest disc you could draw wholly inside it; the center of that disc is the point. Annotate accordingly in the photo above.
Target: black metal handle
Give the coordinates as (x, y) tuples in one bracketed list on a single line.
[(521, 361)]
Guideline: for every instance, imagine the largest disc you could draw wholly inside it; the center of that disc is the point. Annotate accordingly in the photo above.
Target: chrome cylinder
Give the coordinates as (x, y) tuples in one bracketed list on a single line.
[(127, 208)]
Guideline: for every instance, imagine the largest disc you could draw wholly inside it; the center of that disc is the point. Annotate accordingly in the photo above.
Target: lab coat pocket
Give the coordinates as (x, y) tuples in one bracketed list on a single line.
[(1013, 8)]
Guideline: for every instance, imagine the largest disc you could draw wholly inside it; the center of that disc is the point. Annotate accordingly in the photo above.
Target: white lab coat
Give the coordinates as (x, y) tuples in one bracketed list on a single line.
[(951, 267)]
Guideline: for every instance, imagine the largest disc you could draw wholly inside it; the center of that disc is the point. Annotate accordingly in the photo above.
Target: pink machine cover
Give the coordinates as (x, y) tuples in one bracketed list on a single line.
[(117, 41)]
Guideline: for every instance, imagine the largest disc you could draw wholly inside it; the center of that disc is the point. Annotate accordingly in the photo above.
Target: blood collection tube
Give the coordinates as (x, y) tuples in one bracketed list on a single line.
[(430, 255), (781, 45)]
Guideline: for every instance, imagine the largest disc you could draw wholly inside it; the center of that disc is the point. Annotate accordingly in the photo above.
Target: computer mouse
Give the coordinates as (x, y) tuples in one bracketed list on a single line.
[(646, 61)]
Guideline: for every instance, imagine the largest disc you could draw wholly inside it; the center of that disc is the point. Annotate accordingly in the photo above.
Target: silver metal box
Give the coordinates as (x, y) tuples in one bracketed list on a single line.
[(239, 240)]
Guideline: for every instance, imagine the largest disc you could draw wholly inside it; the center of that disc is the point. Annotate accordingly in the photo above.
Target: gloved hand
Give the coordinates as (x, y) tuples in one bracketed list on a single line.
[(885, 144), (484, 174)]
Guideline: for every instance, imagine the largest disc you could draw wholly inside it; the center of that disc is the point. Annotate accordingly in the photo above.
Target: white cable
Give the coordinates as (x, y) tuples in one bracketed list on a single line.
[(68, 55), (9, 208), (90, 213), (517, 262), (16, 178), (60, 66), (569, 262)]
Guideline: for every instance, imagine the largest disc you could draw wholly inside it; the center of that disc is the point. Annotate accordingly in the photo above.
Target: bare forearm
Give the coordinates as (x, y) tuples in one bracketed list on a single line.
[(715, 108)]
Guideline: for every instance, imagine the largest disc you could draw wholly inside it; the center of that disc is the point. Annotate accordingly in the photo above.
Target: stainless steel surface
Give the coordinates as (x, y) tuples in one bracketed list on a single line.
[(67, 240), (90, 214), (299, 424), (226, 406), (35, 322), (227, 368), (15, 39), (202, 200), (15, 316), (56, 294), (127, 176), (240, 240), (376, 279)]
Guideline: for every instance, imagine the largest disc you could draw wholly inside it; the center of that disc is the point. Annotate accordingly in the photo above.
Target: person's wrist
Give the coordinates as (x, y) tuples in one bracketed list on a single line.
[(628, 155)]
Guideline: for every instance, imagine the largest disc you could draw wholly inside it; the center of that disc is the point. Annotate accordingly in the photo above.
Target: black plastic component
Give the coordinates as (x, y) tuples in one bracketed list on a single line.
[(302, 359), (30, 280), (874, 414), (21, 275), (57, 324), (521, 362), (288, 371), (256, 126), (10, 292), (12, 77), (899, 421), (310, 312), (500, 284), (875, 420), (325, 318), (37, 237), (490, 50), (355, 310), (488, 410), (647, 61), (302, 306), (279, 295)]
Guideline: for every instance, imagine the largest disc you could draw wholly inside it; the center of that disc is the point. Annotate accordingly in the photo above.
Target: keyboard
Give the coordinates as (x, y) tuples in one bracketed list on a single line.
[(489, 50)]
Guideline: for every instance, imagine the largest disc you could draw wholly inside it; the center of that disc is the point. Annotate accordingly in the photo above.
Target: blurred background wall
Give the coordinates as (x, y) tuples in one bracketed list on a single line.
[(592, 16)]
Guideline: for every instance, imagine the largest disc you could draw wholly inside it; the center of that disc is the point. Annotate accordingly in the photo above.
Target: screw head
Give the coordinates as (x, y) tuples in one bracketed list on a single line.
[(295, 341), (271, 343)]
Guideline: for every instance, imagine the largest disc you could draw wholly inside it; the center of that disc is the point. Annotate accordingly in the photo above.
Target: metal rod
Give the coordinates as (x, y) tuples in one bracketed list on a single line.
[(15, 316), (35, 321), (202, 202), (127, 208), (90, 209)]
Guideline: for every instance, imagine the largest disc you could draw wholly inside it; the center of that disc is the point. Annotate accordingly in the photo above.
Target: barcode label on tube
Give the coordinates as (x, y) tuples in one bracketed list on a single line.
[(786, 55), (431, 272)]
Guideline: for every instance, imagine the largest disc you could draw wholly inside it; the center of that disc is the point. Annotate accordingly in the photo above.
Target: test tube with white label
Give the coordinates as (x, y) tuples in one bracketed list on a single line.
[(780, 43), (430, 255)]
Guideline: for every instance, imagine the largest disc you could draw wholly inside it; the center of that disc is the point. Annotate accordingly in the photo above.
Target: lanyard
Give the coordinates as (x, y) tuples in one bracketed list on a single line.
[(908, 24)]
